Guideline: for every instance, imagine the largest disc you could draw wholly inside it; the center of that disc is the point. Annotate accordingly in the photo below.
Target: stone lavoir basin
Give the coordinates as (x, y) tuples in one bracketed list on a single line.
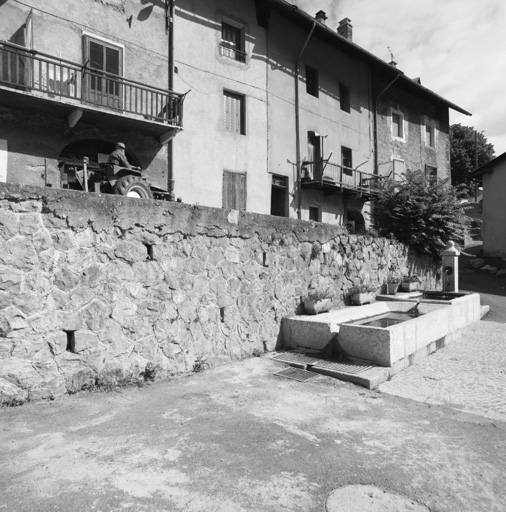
[(391, 334)]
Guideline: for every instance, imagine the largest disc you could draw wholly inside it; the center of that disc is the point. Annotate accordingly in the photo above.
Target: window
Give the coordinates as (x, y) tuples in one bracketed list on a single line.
[(314, 213), (398, 169), (234, 190), (346, 160), (430, 139), (232, 42), (104, 62), (279, 195), (315, 154), (312, 81), (397, 125), (431, 173), (344, 98), (234, 112)]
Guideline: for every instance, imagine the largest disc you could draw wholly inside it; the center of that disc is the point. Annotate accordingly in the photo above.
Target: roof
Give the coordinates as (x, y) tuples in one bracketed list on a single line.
[(330, 36), (489, 166)]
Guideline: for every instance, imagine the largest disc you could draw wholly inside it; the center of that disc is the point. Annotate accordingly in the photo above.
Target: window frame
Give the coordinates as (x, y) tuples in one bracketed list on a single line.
[(313, 85), (313, 207), (345, 149), (87, 39), (344, 98), (430, 140), (396, 176), (226, 46), (401, 125), (242, 122)]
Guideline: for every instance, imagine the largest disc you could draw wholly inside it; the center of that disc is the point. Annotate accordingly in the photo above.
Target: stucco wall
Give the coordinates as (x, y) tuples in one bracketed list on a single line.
[(77, 266)]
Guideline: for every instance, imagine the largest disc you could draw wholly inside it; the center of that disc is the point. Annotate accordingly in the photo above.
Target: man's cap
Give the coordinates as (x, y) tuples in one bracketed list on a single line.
[(120, 145)]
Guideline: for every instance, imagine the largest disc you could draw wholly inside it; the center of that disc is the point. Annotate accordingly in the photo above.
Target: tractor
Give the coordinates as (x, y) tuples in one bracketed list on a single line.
[(109, 179)]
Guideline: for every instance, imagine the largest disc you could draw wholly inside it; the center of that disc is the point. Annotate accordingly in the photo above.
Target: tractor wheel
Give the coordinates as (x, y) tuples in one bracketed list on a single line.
[(132, 186)]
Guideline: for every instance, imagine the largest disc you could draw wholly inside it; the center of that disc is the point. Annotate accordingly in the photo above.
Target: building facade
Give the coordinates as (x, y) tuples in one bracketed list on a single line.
[(74, 81), (283, 114)]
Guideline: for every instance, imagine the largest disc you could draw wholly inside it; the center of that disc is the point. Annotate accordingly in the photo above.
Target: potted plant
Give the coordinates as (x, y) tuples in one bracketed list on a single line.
[(392, 283), (363, 293), (410, 283), (320, 296)]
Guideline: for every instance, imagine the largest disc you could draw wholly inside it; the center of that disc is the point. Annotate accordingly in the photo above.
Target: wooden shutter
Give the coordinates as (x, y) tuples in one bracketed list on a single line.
[(234, 190), (233, 112)]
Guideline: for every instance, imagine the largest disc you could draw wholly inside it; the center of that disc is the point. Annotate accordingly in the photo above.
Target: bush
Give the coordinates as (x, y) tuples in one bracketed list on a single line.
[(421, 213)]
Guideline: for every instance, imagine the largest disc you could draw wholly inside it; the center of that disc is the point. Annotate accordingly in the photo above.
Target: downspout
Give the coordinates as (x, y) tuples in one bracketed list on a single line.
[(170, 6), (297, 124), (375, 108)]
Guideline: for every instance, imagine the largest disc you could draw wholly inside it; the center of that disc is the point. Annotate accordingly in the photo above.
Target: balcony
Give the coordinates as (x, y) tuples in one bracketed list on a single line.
[(333, 178), (34, 80)]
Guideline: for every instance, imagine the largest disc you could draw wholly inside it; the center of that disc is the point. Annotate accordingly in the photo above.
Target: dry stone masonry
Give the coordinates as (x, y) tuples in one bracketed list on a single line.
[(98, 290)]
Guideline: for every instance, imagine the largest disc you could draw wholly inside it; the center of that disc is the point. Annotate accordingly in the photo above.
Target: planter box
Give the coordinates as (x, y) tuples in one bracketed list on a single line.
[(320, 306), (363, 298), (409, 286)]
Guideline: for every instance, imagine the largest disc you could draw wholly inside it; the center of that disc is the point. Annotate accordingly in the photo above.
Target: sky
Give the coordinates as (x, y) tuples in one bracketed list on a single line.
[(456, 47)]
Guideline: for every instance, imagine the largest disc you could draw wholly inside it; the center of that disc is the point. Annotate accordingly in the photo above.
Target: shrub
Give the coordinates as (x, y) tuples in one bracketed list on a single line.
[(422, 213)]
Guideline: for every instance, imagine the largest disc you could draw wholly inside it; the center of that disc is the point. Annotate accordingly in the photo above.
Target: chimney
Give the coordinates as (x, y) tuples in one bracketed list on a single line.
[(345, 29), (321, 17)]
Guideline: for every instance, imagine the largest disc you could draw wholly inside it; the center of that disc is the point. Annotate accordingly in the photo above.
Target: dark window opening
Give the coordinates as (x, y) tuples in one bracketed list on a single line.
[(346, 160), (222, 315), (71, 341), (397, 128), (279, 196), (312, 81), (429, 136), (344, 98), (314, 213)]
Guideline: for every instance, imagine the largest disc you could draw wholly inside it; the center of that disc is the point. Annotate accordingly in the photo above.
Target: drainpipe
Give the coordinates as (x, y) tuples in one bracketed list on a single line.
[(297, 124), (170, 149)]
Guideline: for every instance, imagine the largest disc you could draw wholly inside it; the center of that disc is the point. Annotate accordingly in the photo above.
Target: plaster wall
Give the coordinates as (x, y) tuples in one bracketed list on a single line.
[(99, 289), (494, 212), (205, 149)]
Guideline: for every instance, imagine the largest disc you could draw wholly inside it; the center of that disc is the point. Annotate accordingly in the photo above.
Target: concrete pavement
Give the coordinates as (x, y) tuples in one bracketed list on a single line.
[(469, 374)]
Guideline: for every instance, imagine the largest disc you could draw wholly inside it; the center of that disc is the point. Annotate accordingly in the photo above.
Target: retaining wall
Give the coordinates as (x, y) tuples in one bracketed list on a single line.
[(99, 289)]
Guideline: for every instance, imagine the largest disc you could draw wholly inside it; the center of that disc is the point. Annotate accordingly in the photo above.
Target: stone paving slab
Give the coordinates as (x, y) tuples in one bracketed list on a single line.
[(469, 374)]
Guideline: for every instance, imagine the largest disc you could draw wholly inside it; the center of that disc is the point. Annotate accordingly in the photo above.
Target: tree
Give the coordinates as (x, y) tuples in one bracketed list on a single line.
[(421, 212), (467, 146)]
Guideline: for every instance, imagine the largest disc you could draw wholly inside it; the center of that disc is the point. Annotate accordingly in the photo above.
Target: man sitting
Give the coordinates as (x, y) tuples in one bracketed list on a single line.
[(118, 157)]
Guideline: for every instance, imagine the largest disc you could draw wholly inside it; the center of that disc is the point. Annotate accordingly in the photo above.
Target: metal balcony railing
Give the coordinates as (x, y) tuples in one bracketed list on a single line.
[(232, 53), (30, 70), (327, 174)]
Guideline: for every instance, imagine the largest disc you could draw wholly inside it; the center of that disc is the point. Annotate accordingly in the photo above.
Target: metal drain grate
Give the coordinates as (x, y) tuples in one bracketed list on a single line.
[(296, 374), (296, 357), (352, 368)]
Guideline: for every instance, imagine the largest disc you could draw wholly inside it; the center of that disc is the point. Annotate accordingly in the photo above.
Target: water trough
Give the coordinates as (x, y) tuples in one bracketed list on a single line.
[(383, 333)]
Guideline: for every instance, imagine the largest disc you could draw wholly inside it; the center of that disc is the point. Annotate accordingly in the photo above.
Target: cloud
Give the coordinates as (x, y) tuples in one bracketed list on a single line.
[(455, 46)]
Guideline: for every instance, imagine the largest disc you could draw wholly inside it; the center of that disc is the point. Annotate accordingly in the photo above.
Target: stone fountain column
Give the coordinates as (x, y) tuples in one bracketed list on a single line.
[(450, 263)]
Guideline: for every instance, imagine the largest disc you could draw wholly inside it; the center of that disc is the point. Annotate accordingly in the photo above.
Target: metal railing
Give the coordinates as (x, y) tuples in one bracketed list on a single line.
[(329, 174), (232, 53), (34, 71)]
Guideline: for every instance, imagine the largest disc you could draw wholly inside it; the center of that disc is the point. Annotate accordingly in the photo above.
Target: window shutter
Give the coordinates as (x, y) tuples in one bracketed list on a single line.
[(233, 112), (234, 190)]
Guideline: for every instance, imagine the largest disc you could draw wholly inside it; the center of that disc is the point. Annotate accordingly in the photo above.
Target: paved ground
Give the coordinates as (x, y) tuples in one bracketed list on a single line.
[(469, 374), (239, 439)]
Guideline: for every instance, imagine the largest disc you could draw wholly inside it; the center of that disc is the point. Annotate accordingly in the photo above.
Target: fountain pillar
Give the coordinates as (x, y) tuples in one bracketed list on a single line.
[(450, 257)]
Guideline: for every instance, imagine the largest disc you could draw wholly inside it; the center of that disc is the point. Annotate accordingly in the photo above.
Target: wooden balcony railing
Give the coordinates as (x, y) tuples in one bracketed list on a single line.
[(30, 70), (328, 175)]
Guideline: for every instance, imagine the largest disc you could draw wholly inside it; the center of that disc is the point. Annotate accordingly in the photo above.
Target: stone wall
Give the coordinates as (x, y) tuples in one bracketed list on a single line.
[(99, 289)]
